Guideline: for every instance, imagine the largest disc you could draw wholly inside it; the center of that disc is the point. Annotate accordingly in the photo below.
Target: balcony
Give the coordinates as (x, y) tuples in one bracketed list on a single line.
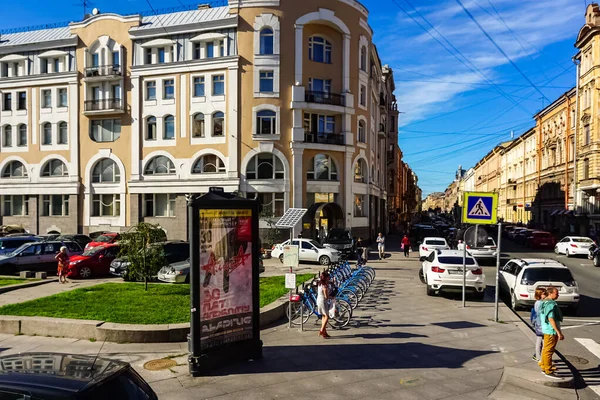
[(324, 138), (331, 99), (103, 71), (103, 106)]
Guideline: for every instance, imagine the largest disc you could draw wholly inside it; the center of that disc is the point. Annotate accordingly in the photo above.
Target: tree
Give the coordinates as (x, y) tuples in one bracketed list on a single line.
[(273, 232), (144, 259)]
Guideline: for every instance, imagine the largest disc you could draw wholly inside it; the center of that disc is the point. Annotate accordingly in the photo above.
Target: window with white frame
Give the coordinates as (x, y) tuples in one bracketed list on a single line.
[(106, 171), (56, 205), (218, 120), (151, 128), (47, 133), (63, 133), (199, 86), (322, 168), (54, 168), (62, 97), (209, 164), (105, 130), (148, 56), (46, 98), (14, 169), (15, 205), (363, 58), (319, 49), (266, 41), (7, 136), (266, 82), (363, 95), (360, 171), (210, 50), (198, 126), (151, 90), (169, 127), (319, 85), (197, 51), (161, 55), (318, 123), (265, 166), (271, 202), (266, 122), (160, 205), (106, 205), (160, 165), (169, 89), (362, 131), (7, 102), (218, 85), (360, 206)]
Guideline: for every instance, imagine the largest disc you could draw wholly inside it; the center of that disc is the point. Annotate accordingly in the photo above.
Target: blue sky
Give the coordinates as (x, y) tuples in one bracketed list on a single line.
[(456, 108)]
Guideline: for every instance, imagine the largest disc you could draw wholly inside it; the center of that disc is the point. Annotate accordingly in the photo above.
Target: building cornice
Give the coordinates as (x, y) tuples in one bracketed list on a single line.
[(42, 79), (21, 48)]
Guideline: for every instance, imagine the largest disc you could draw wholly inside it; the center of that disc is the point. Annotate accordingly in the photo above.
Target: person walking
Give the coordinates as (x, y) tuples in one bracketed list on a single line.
[(63, 264), (323, 303), (540, 295), (550, 317), (381, 246), (321, 235), (359, 251), (406, 245)]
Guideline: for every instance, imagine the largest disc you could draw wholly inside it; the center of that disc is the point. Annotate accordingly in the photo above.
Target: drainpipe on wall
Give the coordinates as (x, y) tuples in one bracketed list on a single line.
[(575, 138)]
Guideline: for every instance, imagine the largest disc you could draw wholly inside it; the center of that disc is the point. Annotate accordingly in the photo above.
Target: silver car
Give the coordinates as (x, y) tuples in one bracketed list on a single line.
[(36, 256)]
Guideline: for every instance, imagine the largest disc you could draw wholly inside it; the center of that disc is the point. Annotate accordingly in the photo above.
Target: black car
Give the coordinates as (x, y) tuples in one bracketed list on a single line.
[(56, 376), (341, 240), (81, 240), (175, 251)]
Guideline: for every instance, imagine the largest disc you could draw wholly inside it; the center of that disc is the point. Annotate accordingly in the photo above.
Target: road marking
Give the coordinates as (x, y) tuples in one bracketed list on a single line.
[(580, 326), (582, 320), (593, 348)]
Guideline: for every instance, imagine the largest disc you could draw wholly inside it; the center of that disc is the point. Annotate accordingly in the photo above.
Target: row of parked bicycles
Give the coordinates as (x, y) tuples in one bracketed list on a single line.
[(350, 286)]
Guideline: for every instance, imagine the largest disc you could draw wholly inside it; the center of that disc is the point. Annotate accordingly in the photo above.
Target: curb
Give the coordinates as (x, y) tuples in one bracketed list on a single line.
[(10, 288)]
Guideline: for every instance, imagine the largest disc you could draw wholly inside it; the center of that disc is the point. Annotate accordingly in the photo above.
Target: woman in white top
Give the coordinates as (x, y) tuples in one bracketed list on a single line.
[(381, 246), (323, 303)]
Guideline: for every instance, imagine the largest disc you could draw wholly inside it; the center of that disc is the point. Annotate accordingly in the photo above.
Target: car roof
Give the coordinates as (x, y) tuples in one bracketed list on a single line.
[(56, 372), (577, 237), (539, 262)]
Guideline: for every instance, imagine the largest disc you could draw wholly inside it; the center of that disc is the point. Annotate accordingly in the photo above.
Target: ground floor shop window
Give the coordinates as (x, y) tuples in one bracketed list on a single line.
[(56, 205), (15, 205), (106, 205), (160, 205), (313, 198), (360, 207)]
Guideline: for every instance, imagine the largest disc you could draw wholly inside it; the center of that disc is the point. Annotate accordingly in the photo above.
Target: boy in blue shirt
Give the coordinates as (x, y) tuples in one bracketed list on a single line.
[(550, 317)]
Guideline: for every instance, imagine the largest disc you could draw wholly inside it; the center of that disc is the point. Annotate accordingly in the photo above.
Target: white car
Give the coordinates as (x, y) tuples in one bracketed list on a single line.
[(519, 279), (308, 250), (432, 243), (573, 245), (443, 270), (486, 251)]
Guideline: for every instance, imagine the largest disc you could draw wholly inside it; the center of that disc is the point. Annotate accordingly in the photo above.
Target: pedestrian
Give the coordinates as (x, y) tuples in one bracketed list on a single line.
[(323, 303), (381, 246), (359, 251), (63, 264), (406, 245), (321, 235), (540, 296), (550, 317)]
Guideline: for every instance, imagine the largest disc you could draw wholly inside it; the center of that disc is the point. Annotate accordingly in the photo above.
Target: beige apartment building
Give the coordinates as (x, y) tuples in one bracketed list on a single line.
[(112, 120)]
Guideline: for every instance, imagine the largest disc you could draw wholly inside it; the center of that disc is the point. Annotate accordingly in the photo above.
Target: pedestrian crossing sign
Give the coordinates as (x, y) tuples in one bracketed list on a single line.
[(480, 208)]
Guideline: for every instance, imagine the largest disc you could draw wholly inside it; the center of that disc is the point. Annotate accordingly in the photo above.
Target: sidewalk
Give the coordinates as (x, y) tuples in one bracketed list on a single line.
[(402, 345)]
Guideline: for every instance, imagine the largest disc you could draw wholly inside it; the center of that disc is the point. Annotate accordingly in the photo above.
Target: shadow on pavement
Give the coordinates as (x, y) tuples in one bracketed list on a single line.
[(588, 306), (393, 335), (458, 325)]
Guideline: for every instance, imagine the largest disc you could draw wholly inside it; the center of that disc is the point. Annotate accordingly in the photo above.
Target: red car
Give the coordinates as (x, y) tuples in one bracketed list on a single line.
[(541, 240), (93, 262), (107, 238)]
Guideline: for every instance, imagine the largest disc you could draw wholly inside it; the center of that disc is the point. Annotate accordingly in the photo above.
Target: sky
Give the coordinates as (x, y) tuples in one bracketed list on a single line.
[(461, 88)]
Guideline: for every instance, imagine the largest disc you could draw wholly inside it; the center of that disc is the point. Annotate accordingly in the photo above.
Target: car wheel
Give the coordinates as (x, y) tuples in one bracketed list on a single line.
[(324, 260), (513, 302), (187, 279), (567, 253), (422, 276), (85, 272), (430, 291), (281, 258), (596, 261), (556, 250)]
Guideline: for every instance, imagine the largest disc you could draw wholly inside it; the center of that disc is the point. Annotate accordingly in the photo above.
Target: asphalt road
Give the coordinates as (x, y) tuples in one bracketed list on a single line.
[(582, 330)]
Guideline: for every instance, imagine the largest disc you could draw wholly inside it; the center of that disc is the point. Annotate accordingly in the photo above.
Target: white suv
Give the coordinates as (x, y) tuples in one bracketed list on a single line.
[(308, 250), (432, 243), (442, 270), (519, 279)]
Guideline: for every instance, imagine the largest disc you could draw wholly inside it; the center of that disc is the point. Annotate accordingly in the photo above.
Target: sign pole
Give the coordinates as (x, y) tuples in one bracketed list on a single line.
[(290, 303), (464, 272), (497, 272)]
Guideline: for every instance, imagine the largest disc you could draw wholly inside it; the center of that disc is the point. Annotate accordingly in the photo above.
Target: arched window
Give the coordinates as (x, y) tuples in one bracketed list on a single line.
[(22, 138), (209, 164), (360, 171), (160, 165), (218, 120), (151, 128), (265, 166), (47, 133), (322, 168), (54, 168), (362, 135), (169, 132), (14, 169), (106, 171), (319, 49), (363, 58), (266, 41), (266, 122), (63, 134), (7, 136), (198, 126)]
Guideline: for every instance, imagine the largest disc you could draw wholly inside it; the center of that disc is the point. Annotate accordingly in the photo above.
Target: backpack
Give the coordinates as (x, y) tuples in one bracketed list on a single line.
[(535, 322)]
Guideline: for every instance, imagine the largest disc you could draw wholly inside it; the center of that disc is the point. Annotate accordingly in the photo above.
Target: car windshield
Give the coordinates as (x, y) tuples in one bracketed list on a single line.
[(582, 240), (93, 251), (104, 238), (339, 235), (455, 260), (316, 244), (436, 242), (548, 274), (19, 249)]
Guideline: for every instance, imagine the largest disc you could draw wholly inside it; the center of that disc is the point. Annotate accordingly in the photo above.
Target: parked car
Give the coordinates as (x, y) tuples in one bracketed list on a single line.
[(513, 233), (488, 250), (82, 240), (10, 244), (174, 251), (573, 245), (179, 272), (443, 270), (541, 240), (519, 279), (69, 376), (107, 238), (46, 238), (308, 250), (36, 256), (96, 234), (93, 262), (341, 240), (432, 243), (521, 236)]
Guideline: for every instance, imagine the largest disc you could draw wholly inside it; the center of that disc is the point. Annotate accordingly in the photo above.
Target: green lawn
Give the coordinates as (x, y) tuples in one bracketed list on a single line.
[(14, 281), (129, 303)]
